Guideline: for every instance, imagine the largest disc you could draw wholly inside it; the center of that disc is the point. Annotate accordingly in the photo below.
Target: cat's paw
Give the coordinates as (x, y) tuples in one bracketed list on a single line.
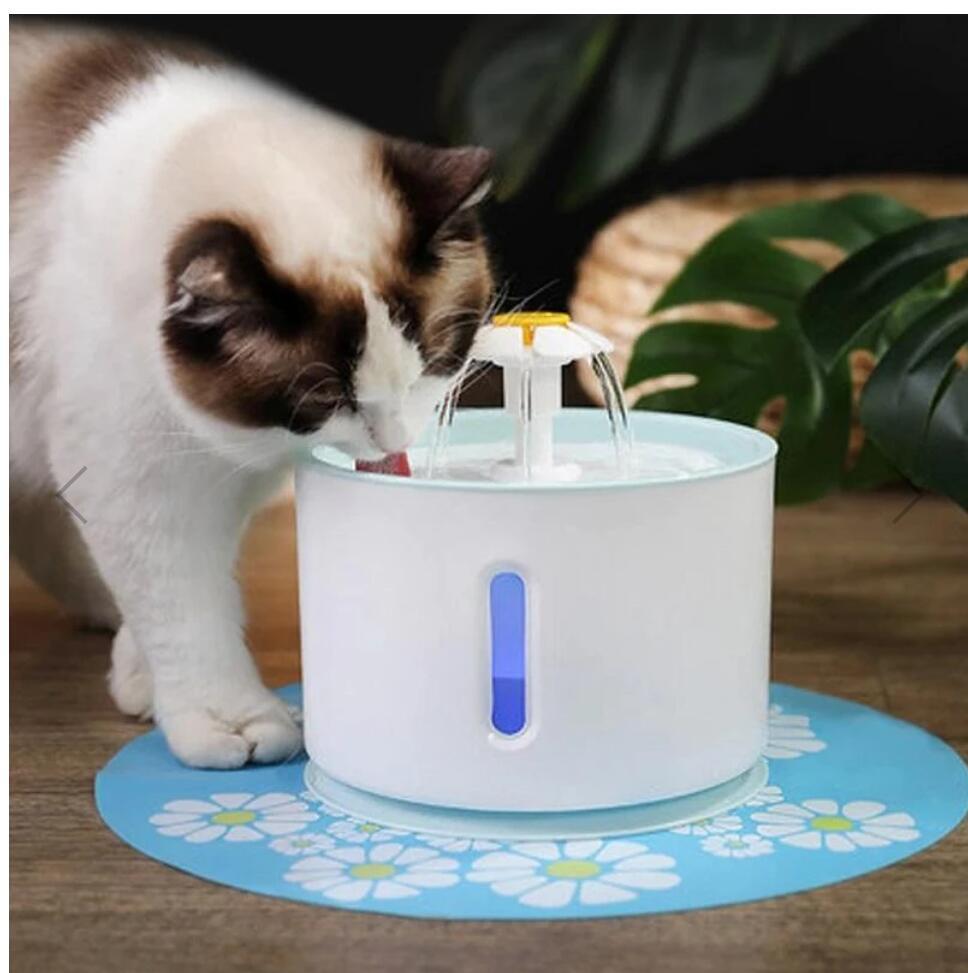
[(129, 680), (200, 738)]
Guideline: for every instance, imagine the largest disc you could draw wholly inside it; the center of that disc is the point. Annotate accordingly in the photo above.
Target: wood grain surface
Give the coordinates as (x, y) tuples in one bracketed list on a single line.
[(867, 607)]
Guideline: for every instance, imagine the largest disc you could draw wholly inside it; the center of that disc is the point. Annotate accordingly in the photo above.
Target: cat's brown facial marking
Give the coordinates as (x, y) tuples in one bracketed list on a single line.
[(440, 281), (260, 346), (251, 346), (441, 309)]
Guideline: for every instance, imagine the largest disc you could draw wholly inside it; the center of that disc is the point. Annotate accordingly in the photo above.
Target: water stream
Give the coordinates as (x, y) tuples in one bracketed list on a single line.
[(618, 420), (437, 454), (524, 422), (618, 414)]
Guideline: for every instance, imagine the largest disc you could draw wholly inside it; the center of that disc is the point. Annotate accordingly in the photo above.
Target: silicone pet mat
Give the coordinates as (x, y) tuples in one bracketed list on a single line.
[(850, 791)]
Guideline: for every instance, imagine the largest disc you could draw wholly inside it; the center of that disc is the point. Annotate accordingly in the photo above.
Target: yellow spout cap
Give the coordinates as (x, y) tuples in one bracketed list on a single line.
[(528, 321)]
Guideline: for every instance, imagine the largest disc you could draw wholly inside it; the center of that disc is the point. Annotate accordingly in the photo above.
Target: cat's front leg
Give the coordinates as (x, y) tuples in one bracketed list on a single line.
[(166, 545), (220, 729), (206, 692)]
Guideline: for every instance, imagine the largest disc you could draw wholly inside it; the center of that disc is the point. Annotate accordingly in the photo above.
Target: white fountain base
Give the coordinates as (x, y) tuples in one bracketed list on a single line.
[(523, 825)]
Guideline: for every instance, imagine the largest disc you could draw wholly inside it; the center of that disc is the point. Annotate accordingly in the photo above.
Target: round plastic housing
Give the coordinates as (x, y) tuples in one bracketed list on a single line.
[(539, 646)]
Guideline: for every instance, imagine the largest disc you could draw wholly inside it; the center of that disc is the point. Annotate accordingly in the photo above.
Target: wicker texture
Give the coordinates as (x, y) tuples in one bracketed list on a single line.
[(633, 257)]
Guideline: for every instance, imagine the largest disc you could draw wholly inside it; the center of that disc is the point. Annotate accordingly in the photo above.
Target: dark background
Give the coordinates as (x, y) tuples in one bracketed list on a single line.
[(890, 98), (893, 97)]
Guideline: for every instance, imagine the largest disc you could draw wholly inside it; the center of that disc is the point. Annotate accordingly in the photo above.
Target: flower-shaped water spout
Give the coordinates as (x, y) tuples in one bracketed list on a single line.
[(532, 347)]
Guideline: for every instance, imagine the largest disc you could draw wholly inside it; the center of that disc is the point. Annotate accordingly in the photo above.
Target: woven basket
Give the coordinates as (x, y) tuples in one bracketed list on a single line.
[(633, 257)]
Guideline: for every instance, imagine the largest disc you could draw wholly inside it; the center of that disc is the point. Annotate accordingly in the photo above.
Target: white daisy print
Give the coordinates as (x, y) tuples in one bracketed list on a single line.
[(384, 871), (822, 823), (790, 736), (458, 845), (352, 829), (770, 794), (737, 845), (306, 843), (549, 874), (233, 817), (716, 825)]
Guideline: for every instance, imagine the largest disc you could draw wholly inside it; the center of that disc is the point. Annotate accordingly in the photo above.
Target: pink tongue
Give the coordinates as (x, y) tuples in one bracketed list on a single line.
[(393, 464)]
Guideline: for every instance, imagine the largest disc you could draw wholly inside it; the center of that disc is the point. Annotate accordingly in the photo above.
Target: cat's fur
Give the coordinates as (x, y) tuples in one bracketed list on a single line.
[(206, 273)]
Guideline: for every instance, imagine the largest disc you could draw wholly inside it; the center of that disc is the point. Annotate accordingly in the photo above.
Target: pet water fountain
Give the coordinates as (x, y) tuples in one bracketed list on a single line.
[(558, 625)]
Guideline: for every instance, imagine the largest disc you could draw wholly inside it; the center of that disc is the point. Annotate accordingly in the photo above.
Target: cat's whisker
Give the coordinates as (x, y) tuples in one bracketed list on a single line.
[(187, 434), (498, 298), (445, 357), (201, 451), (520, 304), (474, 377), (455, 320), (306, 368), (275, 454), (306, 395), (202, 447), (454, 312), (443, 314)]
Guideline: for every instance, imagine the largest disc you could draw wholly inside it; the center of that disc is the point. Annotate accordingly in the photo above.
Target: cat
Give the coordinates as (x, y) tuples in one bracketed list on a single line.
[(208, 274)]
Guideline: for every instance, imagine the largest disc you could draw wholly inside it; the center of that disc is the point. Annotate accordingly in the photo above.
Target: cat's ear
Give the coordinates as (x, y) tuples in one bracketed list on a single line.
[(436, 183), (200, 295), (210, 274)]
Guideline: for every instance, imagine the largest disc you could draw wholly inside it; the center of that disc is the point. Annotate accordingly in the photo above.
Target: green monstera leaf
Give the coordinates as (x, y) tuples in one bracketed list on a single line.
[(739, 370), (915, 404), (515, 87), (614, 91)]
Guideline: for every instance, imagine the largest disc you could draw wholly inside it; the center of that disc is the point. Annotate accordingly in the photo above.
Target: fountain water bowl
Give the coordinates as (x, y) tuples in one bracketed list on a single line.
[(558, 626)]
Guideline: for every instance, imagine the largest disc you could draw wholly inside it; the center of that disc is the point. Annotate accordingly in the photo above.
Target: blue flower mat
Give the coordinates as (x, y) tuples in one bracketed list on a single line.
[(851, 791)]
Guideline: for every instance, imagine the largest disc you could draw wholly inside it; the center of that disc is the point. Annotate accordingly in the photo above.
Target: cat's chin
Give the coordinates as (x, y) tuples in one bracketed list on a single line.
[(349, 436), (366, 452)]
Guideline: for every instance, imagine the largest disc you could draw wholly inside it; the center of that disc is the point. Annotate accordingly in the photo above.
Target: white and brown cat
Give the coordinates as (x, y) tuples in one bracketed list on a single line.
[(206, 273)]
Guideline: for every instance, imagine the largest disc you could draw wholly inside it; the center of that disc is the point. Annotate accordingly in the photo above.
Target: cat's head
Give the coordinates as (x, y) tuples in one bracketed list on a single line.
[(340, 315)]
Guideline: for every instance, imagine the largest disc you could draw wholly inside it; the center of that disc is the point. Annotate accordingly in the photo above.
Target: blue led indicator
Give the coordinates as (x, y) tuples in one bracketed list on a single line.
[(507, 653)]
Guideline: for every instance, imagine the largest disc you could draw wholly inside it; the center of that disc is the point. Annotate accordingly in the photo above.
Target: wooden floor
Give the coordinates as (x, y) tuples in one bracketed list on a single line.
[(865, 608)]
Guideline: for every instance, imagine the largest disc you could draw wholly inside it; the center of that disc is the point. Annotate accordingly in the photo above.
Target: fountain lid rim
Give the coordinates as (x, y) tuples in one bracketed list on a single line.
[(766, 448)]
